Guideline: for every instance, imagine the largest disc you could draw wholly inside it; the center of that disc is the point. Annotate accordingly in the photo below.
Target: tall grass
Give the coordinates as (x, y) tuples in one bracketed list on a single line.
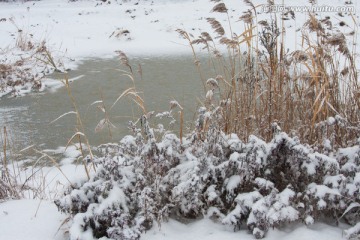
[(9, 188), (312, 93)]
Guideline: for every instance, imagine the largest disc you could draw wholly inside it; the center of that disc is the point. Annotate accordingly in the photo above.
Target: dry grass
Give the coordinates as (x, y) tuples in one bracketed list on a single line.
[(24, 64), (9, 188), (261, 84), (24, 179), (79, 135)]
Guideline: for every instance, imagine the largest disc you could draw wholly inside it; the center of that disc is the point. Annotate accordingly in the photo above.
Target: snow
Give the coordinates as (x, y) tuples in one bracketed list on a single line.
[(357, 179), (309, 220), (207, 229), (70, 153), (285, 196), (353, 231), (320, 191), (321, 204), (211, 193), (248, 199), (40, 220), (81, 29), (235, 144), (152, 27), (53, 84), (235, 156), (30, 220), (331, 121), (233, 182), (116, 195), (263, 183), (334, 181)]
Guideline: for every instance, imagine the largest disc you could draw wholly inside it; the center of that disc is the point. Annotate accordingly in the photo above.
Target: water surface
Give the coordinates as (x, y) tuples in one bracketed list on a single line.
[(29, 118)]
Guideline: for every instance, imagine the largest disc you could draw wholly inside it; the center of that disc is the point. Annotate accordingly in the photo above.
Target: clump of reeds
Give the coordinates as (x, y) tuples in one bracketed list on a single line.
[(260, 83), (9, 188)]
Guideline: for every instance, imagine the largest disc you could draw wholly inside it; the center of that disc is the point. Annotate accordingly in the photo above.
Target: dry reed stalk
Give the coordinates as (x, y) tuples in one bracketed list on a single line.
[(186, 36), (8, 183), (4, 150), (181, 125), (81, 126), (55, 164), (295, 89)]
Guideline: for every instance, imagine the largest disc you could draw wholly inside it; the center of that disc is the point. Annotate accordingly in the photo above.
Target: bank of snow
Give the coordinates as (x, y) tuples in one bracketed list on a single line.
[(90, 29), (30, 220), (40, 220), (207, 229), (83, 29), (86, 29)]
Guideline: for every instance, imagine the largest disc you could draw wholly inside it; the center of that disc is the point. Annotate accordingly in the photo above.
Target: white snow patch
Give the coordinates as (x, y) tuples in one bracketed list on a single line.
[(233, 182), (207, 229), (30, 220)]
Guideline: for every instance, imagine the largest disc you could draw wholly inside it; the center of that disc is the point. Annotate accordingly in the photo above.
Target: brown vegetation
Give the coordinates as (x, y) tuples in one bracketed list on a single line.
[(312, 93)]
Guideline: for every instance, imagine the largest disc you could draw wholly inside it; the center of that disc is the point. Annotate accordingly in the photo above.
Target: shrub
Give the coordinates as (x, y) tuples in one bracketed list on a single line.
[(142, 181)]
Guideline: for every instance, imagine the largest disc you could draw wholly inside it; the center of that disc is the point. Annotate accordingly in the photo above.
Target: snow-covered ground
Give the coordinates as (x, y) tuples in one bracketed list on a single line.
[(207, 229), (30, 219), (84, 29), (40, 220), (79, 29)]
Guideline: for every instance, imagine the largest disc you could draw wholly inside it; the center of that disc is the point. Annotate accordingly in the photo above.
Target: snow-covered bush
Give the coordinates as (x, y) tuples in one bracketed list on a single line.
[(259, 185), (125, 196)]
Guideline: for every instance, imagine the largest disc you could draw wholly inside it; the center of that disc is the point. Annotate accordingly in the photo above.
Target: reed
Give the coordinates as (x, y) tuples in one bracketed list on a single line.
[(312, 93), (9, 188)]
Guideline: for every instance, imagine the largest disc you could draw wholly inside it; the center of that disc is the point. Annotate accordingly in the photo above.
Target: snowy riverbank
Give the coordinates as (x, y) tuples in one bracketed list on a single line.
[(72, 31)]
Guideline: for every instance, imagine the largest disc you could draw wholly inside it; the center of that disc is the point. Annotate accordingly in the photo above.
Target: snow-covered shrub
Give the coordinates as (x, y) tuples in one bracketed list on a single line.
[(292, 182), (256, 184), (354, 232), (124, 197)]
